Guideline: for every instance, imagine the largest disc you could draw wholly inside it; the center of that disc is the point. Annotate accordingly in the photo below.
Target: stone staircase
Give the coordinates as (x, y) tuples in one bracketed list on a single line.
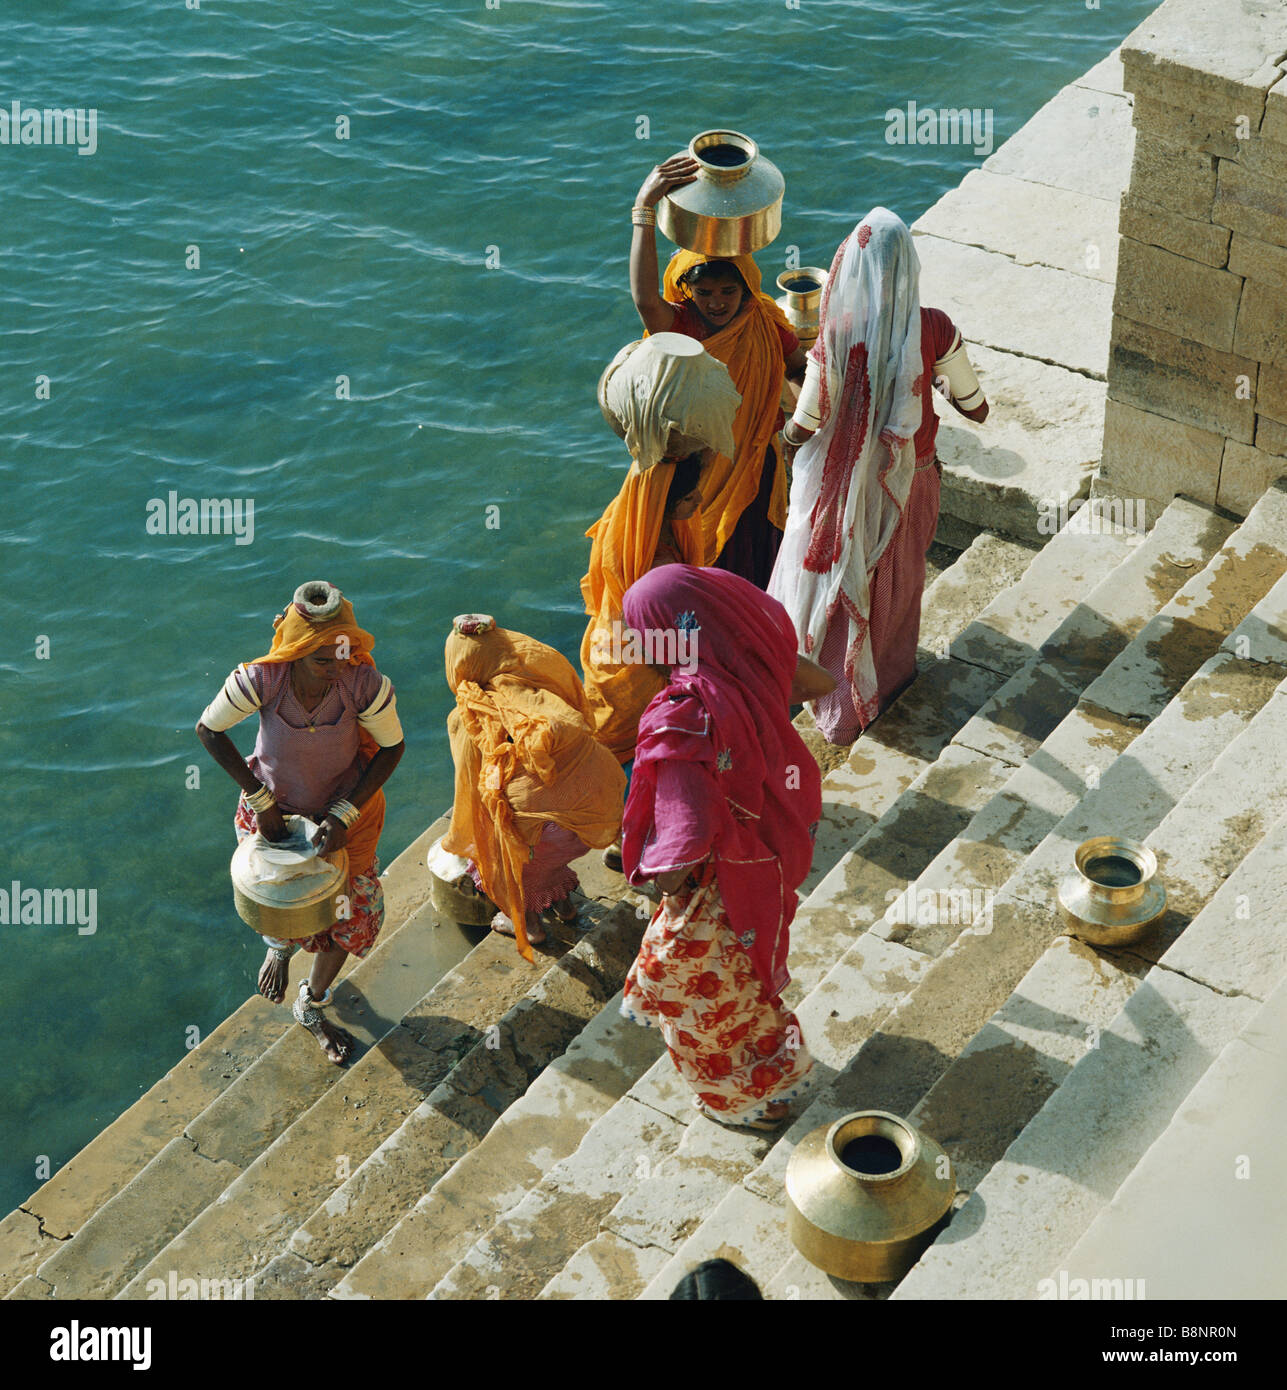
[(1135, 708), (505, 1134), (191, 1177)]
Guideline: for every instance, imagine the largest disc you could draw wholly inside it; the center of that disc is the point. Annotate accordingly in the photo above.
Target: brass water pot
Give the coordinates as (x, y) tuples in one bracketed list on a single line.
[(864, 1195), (453, 892), (802, 299), (1113, 894), (289, 909), (733, 207)]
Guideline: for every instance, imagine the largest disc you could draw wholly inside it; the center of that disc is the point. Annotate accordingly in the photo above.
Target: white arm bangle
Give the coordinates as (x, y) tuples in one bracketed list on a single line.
[(963, 384), (260, 800)]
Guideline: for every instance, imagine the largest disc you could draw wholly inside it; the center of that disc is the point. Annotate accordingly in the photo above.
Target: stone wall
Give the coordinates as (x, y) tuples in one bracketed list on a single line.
[(1197, 376)]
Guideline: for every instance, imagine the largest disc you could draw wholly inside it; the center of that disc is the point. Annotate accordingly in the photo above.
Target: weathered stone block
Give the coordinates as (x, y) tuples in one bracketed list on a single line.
[(1259, 261), (1194, 127), (1182, 380), (1218, 47), (1173, 177), (1149, 456), (1274, 125), (1271, 393), (1245, 474), (1106, 75), (1033, 223), (1171, 292), (1262, 322), (1027, 309), (1158, 226), (1079, 140), (1271, 436), (1040, 440), (1250, 202)]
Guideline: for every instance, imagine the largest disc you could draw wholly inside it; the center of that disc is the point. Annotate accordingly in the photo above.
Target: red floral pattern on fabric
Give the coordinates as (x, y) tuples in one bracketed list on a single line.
[(735, 1045), (366, 902), (826, 522), (864, 235)]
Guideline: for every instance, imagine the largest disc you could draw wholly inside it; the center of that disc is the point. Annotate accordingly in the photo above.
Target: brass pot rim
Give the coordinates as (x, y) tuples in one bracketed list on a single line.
[(1120, 847), (817, 273), (726, 173), (886, 1125)]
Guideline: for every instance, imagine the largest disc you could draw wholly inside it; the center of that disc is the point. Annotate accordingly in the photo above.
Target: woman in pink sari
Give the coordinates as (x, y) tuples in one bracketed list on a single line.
[(865, 488), (723, 805)]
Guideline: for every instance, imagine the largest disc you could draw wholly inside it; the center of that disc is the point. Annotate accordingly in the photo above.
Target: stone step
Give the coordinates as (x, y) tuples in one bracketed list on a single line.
[(57, 1211), (983, 569), (927, 1028), (470, 1046), (1131, 1072), (1202, 1213), (545, 1125)]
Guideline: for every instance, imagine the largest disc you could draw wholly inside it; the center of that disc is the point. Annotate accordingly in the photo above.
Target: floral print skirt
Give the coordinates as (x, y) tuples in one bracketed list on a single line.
[(732, 1041)]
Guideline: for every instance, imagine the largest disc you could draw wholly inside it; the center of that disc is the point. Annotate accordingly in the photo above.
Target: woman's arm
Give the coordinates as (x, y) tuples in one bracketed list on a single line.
[(224, 751), (811, 681), (656, 314), (796, 364), (331, 834)]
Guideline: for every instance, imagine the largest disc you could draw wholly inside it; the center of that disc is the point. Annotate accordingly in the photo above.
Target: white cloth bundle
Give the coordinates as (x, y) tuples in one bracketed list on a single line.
[(664, 382)]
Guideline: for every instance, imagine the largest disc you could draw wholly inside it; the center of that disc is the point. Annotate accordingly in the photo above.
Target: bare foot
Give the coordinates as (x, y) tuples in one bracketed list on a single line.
[(335, 1042), (535, 932), (272, 978), (566, 909)]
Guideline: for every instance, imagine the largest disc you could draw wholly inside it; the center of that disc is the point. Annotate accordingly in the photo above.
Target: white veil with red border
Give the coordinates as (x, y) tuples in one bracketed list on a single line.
[(852, 478)]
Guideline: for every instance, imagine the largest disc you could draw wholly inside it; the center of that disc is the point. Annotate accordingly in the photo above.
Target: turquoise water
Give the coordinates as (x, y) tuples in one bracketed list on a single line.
[(476, 134)]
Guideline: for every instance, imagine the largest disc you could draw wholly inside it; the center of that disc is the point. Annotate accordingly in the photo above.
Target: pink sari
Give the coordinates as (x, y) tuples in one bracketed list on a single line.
[(722, 783)]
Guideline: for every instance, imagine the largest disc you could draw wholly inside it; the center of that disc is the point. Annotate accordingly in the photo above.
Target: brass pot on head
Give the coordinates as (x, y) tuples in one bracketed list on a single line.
[(801, 300), (1113, 894), (864, 1196), (733, 207)]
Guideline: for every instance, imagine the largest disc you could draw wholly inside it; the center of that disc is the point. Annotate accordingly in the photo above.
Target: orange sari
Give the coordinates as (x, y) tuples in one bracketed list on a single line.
[(625, 540), (751, 349), (525, 754)]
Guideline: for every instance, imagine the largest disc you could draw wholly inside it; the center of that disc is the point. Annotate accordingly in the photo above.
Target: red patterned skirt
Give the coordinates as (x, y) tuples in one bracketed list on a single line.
[(732, 1041)]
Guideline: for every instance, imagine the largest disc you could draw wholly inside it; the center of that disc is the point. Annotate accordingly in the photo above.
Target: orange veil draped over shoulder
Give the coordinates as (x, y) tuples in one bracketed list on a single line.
[(525, 753), (751, 349), (624, 547)]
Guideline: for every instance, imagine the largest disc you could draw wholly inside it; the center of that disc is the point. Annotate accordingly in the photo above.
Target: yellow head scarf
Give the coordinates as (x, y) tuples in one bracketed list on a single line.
[(299, 635), (752, 351), (525, 753)]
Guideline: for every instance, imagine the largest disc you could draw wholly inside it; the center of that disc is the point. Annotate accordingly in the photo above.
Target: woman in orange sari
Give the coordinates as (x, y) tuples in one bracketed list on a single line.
[(719, 302), (329, 737), (534, 788), (674, 406)]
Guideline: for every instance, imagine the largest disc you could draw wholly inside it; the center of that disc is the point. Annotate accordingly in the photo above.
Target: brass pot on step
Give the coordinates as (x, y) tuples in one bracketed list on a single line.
[(1113, 894), (733, 207), (453, 892), (864, 1195)]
